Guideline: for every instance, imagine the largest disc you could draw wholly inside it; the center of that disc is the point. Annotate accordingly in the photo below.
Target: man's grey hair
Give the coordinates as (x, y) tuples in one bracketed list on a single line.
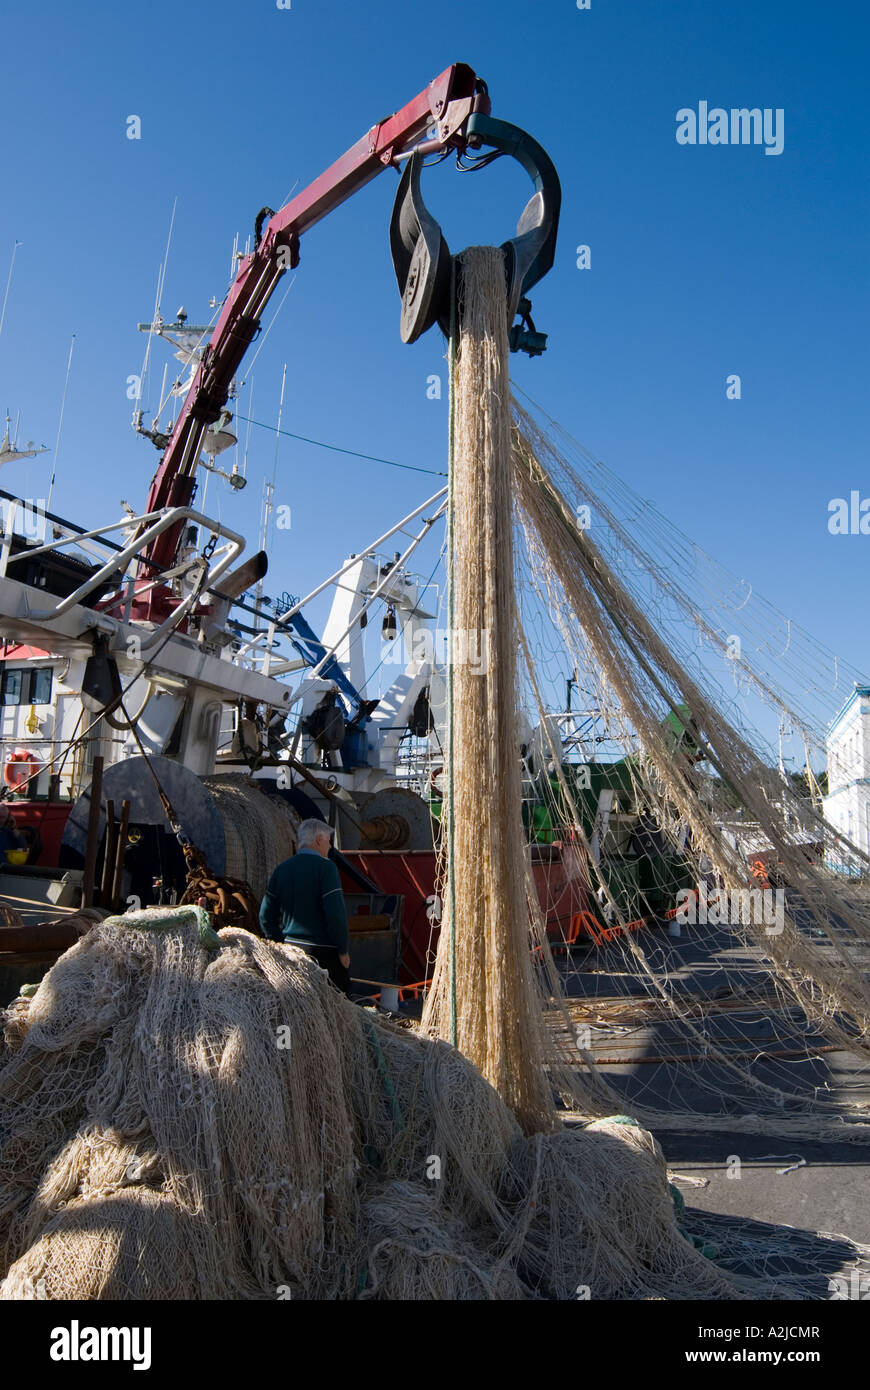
[(308, 832)]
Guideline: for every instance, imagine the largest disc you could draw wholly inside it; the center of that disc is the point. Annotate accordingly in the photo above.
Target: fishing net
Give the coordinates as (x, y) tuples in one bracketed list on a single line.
[(483, 996), (787, 935), (192, 1115)]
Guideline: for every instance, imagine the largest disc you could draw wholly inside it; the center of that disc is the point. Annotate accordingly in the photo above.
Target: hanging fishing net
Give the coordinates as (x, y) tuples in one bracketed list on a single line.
[(675, 818)]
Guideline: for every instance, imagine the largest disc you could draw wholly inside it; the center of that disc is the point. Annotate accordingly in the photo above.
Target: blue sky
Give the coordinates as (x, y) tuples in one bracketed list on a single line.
[(706, 261)]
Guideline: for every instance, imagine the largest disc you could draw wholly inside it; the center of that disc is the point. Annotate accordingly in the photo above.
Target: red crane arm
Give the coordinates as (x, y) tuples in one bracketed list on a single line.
[(446, 103)]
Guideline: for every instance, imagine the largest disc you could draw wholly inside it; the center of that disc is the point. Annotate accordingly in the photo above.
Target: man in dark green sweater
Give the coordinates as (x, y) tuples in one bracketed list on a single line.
[(304, 904)]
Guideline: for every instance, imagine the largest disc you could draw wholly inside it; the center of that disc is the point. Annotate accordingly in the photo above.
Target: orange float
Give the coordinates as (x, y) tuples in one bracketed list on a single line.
[(19, 768)]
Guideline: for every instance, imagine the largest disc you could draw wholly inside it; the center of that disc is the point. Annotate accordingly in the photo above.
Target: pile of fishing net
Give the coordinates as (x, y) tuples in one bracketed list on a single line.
[(200, 1116)]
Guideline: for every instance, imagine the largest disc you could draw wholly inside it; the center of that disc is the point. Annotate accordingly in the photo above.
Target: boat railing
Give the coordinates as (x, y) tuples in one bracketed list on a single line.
[(115, 567)]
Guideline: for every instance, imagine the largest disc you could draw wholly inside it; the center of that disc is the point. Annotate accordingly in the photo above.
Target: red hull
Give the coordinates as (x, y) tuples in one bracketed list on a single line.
[(48, 818), (412, 873)]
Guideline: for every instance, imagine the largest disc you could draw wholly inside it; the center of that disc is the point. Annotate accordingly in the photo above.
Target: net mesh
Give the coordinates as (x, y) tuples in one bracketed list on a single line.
[(185, 1120)]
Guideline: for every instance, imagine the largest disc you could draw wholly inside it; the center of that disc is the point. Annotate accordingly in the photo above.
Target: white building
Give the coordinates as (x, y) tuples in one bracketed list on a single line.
[(847, 805)]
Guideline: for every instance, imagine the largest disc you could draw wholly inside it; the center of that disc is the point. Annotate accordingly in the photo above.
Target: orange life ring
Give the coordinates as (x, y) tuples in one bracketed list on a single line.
[(19, 768), (435, 789)]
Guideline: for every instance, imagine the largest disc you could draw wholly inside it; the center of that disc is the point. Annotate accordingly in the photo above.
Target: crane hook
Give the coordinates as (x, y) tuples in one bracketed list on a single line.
[(422, 260)]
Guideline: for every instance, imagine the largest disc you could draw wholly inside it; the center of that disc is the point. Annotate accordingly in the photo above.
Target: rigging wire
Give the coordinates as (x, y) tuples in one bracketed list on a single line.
[(8, 283), (266, 334), (336, 449), (158, 299), (60, 423)]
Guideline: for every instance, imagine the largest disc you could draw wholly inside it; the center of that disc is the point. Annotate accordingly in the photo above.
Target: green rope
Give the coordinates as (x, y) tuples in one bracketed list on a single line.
[(451, 880), (398, 1119), (169, 919)]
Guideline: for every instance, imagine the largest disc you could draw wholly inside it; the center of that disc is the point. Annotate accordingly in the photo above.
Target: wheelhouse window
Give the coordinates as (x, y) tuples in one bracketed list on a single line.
[(40, 686), (10, 691), (26, 687)]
